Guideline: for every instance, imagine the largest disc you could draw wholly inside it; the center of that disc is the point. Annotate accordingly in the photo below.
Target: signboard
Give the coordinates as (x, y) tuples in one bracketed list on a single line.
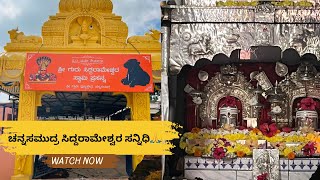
[(88, 73)]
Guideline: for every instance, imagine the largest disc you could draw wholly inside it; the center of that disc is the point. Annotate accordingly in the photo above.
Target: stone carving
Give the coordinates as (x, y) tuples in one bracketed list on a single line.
[(153, 36), (85, 5), (19, 37), (85, 30)]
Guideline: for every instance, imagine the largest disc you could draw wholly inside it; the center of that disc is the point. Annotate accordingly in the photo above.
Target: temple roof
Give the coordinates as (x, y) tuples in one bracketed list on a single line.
[(85, 5)]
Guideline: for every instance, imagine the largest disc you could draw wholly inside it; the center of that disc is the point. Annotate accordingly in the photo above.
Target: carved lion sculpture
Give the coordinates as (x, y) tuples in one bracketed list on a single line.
[(16, 37), (153, 36)]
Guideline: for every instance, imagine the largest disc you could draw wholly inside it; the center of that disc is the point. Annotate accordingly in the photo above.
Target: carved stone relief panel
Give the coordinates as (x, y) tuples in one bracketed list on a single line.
[(84, 30)]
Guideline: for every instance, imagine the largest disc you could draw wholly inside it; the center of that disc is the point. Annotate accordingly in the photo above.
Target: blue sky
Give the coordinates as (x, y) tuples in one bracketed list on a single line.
[(29, 15)]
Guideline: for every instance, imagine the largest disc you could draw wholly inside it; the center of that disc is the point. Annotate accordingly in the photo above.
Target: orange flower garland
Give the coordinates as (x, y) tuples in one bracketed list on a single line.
[(197, 153), (240, 154), (195, 130), (291, 155), (256, 130)]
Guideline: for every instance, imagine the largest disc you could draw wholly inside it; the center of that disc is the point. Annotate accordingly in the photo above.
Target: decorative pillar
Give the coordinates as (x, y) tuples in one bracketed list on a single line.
[(140, 111), (23, 169)]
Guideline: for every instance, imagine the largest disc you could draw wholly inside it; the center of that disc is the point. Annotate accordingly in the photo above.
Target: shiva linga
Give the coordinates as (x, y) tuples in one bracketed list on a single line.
[(228, 116), (307, 119), (307, 116)]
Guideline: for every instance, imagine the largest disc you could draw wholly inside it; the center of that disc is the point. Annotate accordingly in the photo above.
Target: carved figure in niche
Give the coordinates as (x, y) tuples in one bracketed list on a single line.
[(201, 47), (136, 75), (43, 75), (85, 30), (153, 36), (19, 37)]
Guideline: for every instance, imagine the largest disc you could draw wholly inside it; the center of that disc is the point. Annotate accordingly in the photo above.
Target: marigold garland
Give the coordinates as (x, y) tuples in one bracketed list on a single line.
[(240, 143)]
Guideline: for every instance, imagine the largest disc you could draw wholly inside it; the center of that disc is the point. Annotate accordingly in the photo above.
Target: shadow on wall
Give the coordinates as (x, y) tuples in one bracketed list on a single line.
[(6, 165)]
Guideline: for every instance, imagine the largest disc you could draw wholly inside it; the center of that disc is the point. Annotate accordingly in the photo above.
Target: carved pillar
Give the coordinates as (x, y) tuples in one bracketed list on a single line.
[(23, 169), (140, 111)]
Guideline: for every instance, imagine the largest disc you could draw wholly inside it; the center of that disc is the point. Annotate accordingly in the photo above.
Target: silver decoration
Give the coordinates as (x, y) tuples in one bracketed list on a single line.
[(297, 15), (203, 76), (281, 69), (215, 90), (228, 116), (263, 81), (259, 14), (212, 15), (253, 75), (201, 30), (164, 82), (266, 161), (265, 13), (299, 89), (200, 3), (188, 89)]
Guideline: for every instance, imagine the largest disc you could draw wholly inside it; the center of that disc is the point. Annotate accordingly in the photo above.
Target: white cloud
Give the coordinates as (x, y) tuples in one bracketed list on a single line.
[(8, 9), (140, 15)]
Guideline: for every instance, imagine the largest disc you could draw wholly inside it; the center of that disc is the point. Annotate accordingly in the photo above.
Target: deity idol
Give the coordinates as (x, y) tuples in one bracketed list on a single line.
[(229, 112), (43, 75)]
